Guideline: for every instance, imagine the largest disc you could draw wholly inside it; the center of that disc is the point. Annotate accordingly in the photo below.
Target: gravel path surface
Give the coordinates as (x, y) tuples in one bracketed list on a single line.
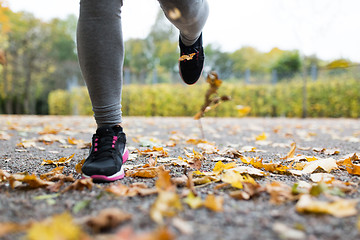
[(25, 141)]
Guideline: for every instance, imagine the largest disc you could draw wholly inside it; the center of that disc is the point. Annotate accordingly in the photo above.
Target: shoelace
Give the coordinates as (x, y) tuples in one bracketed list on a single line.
[(104, 144)]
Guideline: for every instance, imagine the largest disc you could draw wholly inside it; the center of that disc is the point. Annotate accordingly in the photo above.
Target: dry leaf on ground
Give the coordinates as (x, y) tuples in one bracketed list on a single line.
[(80, 185), (61, 161), (339, 208), (167, 204), (57, 227), (214, 203), (107, 219)]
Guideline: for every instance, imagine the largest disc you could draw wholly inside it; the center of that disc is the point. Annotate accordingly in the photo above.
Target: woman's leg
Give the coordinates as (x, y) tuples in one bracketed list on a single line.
[(189, 16), (101, 56)]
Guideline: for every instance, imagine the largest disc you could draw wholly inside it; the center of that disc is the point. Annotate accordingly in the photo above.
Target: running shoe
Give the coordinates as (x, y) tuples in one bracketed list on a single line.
[(108, 153), (191, 61)]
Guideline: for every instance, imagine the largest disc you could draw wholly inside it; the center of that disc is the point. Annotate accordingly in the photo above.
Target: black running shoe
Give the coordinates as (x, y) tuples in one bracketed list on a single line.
[(191, 61), (107, 155)]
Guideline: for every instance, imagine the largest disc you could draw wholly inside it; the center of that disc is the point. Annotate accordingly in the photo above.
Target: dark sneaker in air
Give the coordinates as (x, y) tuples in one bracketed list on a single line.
[(108, 153), (191, 61)]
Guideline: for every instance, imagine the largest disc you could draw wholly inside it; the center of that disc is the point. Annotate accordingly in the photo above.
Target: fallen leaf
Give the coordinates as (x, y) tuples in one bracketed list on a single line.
[(279, 192), (193, 201), (4, 175), (127, 233), (26, 144), (220, 166), (208, 148), (79, 165), (291, 152), (80, 185), (61, 161), (154, 152), (107, 219), (74, 141), (230, 152), (57, 227), (339, 208), (214, 203), (233, 178), (285, 232), (249, 170), (7, 228), (163, 183), (261, 137), (321, 177), (327, 165), (4, 136), (167, 204), (183, 226), (32, 180)]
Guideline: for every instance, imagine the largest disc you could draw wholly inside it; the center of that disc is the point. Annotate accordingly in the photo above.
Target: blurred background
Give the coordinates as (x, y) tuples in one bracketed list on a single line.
[(292, 58)]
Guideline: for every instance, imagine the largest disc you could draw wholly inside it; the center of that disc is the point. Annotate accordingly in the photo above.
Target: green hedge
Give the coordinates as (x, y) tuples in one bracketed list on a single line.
[(324, 99)]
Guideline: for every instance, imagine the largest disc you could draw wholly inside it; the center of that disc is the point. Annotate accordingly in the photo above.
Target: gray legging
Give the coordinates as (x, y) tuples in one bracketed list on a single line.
[(101, 48)]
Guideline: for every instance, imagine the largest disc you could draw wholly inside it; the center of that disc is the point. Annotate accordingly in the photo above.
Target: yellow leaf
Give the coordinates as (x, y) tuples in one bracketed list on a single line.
[(79, 165), (167, 204), (193, 201), (61, 161), (291, 152), (195, 141), (220, 166), (154, 152), (261, 137), (164, 181), (310, 159), (339, 208), (243, 110), (233, 178), (59, 227), (214, 203)]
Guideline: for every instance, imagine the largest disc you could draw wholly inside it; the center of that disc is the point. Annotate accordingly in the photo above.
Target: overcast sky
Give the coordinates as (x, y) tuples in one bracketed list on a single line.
[(328, 28)]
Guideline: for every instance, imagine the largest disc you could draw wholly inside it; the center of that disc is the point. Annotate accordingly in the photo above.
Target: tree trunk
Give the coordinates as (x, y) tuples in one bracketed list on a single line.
[(27, 87)]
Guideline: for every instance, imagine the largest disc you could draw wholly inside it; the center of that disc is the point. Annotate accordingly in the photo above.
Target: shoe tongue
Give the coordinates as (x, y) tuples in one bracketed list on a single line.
[(105, 130)]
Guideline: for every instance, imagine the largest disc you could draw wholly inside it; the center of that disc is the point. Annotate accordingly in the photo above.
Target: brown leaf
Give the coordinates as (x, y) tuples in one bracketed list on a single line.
[(7, 228), (210, 100), (107, 219), (154, 152), (279, 192), (61, 161), (56, 187), (249, 190), (163, 183), (134, 190), (79, 166), (54, 172), (80, 185), (32, 180)]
